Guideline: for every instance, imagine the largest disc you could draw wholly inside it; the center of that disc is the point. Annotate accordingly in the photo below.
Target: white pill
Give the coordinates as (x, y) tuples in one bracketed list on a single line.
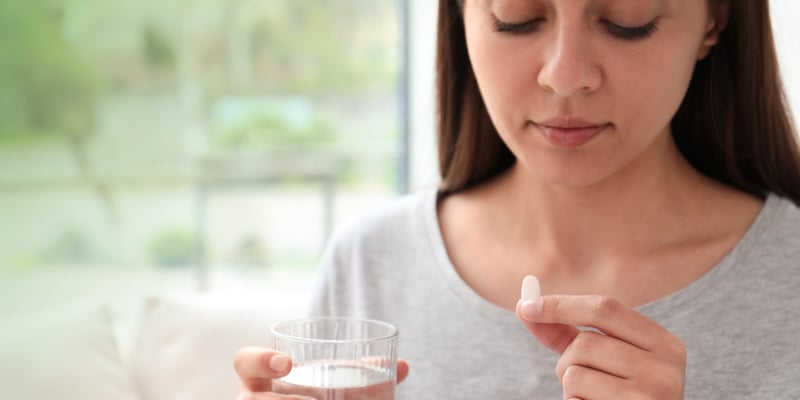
[(530, 288)]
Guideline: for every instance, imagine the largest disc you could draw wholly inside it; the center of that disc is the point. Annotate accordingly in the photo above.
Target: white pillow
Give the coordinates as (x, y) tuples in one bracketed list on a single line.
[(61, 353), (185, 347)]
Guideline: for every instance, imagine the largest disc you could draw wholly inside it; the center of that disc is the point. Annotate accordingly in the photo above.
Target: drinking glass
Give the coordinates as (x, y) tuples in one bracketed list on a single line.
[(338, 358)]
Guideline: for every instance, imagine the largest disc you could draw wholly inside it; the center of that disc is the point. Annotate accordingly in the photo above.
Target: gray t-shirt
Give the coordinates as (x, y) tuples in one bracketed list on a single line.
[(740, 321)]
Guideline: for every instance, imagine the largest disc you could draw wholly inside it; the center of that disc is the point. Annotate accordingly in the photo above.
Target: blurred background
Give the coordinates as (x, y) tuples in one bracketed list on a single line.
[(204, 145), (208, 146)]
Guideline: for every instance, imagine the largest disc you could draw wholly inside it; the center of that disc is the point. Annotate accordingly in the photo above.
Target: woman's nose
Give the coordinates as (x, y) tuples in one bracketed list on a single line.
[(568, 67)]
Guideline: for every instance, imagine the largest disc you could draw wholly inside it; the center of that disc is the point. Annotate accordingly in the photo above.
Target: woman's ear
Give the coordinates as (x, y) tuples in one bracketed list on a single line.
[(719, 13)]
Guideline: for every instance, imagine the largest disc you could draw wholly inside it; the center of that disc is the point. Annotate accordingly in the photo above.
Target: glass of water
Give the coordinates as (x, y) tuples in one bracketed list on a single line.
[(338, 358)]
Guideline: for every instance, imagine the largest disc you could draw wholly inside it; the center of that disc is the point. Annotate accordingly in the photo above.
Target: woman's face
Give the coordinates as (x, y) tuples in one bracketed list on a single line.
[(580, 90)]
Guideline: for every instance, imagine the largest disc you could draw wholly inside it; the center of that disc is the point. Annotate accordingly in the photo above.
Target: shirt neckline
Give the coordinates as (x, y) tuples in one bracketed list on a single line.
[(659, 307)]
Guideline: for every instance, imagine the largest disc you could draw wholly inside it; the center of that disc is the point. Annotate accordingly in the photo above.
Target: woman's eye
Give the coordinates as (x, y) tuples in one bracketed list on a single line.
[(631, 33), (619, 31), (517, 28)]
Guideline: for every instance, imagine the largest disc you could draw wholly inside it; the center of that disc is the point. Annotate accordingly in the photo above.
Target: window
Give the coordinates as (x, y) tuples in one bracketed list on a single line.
[(182, 146)]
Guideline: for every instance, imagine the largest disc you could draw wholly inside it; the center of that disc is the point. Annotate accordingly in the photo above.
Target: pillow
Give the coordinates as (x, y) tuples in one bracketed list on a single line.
[(185, 347), (62, 353)]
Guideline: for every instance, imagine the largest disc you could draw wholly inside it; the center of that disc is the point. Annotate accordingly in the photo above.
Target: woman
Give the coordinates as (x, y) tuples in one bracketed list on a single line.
[(638, 158)]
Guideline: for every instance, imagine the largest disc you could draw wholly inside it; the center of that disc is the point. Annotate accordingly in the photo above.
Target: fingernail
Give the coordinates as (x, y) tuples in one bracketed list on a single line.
[(279, 363), (531, 308)]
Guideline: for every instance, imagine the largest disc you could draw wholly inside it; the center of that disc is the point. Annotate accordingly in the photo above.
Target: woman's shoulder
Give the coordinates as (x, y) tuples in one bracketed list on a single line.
[(784, 215), (777, 230)]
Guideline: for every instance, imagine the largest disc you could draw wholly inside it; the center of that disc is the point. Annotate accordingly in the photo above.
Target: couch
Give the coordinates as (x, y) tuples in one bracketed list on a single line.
[(155, 348)]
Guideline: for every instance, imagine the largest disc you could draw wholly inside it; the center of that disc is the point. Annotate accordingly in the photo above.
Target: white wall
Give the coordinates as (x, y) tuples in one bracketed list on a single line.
[(423, 163), (423, 159), (785, 14)]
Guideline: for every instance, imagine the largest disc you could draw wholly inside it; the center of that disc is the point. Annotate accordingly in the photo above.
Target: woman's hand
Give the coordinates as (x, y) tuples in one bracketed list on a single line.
[(632, 358), (257, 367)]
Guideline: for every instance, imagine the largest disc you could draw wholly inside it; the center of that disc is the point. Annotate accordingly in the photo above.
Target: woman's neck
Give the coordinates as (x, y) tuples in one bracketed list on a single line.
[(652, 228), (638, 207)]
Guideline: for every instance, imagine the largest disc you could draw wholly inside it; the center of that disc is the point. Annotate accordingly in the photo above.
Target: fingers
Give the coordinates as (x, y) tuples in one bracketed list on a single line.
[(257, 367), (555, 337), (586, 383), (631, 357), (606, 314), (402, 370), (602, 353)]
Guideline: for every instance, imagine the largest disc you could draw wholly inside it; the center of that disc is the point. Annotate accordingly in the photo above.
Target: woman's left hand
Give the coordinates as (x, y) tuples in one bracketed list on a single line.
[(632, 358)]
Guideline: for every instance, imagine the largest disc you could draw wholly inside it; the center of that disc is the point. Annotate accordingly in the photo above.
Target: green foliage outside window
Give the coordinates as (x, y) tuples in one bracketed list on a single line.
[(47, 86), (117, 102)]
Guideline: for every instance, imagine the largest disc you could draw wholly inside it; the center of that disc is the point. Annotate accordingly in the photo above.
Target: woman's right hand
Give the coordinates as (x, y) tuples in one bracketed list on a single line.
[(257, 367)]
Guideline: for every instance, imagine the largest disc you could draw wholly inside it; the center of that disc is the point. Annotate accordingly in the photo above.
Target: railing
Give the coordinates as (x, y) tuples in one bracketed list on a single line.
[(207, 176)]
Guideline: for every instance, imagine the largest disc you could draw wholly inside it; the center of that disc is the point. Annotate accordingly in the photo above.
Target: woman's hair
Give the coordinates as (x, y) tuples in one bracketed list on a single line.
[(733, 124)]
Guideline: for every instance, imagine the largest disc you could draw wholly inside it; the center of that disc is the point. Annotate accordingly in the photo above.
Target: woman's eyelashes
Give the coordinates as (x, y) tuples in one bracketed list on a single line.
[(631, 32), (618, 31), (517, 28)]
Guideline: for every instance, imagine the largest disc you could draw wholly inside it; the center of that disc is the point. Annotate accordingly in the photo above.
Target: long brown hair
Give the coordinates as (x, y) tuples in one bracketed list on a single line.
[(733, 124)]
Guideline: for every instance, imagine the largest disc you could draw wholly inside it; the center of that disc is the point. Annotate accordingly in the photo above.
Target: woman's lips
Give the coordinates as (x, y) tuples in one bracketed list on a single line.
[(570, 135)]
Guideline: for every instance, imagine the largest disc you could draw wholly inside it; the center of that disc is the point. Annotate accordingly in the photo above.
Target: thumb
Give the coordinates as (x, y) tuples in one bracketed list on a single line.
[(555, 337)]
